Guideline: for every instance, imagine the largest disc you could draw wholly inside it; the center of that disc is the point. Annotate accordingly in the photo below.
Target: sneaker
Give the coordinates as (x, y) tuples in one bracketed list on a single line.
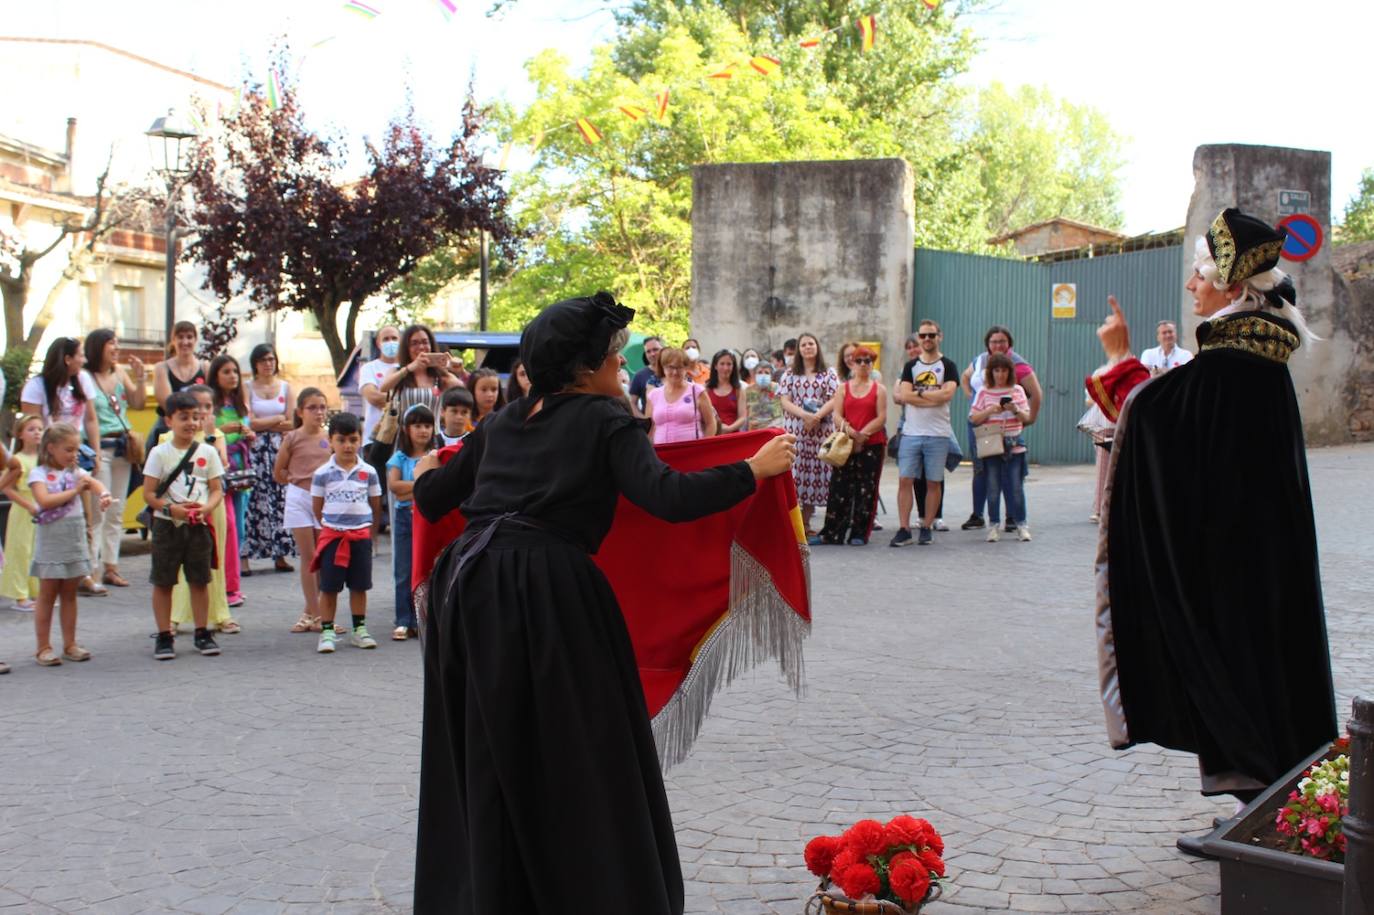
[(361, 639), (163, 649), (926, 538), (236, 599), (877, 526), (206, 644), (974, 522), (993, 534), (814, 540), (940, 524), (1023, 533), (1095, 518), (901, 538), (326, 642), (857, 541)]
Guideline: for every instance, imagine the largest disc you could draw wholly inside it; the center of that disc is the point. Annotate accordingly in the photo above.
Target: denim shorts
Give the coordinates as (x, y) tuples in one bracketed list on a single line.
[(923, 456)]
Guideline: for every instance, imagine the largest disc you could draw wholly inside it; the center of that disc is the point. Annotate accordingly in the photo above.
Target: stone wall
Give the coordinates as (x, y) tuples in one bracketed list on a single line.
[(817, 247), (1355, 269), (1251, 178)]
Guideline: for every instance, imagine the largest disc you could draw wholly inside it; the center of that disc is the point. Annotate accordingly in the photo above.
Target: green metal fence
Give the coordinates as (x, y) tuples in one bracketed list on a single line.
[(967, 293)]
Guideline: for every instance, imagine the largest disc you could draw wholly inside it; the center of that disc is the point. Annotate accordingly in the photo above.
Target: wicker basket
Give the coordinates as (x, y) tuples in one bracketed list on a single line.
[(830, 901)]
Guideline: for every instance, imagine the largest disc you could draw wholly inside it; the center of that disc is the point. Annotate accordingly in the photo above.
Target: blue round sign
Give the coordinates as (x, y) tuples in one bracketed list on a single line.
[(1304, 237)]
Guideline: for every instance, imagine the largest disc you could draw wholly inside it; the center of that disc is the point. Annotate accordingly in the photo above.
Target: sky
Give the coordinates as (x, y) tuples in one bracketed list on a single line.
[(1170, 75)]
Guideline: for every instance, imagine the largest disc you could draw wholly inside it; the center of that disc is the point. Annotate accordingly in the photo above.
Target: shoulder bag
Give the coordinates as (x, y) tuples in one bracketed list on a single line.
[(389, 422), (145, 517), (988, 440), (133, 442)]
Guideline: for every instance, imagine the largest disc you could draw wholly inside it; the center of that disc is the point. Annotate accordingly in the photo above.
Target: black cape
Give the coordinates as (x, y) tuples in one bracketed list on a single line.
[(540, 788), (1211, 625)]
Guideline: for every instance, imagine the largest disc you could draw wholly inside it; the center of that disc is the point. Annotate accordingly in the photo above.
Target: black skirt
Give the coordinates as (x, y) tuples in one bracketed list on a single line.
[(540, 788)]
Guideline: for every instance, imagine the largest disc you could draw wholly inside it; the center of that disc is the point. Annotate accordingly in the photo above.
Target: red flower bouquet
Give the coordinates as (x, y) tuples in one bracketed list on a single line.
[(897, 863), (1311, 820)]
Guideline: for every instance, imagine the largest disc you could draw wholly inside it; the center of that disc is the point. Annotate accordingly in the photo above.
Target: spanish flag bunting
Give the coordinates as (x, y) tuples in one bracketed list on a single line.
[(931, 4), (505, 156), (589, 132), (274, 92), (812, 42), (662, 99), (727, 73), (868, 31), (633, 112), (766, 65)]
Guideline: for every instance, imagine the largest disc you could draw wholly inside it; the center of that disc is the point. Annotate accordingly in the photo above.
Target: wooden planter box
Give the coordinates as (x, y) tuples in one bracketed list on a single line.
[(1263, 881)]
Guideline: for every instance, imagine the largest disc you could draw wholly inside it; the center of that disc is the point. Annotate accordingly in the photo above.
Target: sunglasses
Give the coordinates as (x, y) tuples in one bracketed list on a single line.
[(928, 336), (863, 360)]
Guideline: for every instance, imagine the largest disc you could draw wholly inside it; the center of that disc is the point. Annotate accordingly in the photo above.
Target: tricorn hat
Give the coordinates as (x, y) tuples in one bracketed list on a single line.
[(1243, 246)]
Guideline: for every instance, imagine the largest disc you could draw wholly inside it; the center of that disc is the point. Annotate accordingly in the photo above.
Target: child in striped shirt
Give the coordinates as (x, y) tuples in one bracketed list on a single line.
[(347, 500)]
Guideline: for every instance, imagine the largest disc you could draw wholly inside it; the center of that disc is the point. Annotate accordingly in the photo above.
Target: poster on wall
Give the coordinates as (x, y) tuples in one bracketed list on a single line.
[(1064, 300)]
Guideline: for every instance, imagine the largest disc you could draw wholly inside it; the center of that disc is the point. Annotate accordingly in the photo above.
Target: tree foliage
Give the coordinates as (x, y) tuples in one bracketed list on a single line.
[(1042, 157), (1359, 212), (617, 214), (278, 223)]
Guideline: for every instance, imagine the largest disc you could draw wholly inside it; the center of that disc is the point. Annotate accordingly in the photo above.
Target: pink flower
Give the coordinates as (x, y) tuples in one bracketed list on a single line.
[(1313, 827)]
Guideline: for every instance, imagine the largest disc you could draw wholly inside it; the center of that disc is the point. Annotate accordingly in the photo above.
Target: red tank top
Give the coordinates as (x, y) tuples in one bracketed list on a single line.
[(860, 411), (727, 407)]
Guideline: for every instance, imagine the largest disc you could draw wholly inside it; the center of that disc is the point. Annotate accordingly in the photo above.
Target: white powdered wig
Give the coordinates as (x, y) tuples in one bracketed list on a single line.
[(1252, 291)]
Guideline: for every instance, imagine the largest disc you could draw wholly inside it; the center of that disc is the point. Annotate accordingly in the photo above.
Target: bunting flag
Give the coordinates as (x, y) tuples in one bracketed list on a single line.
[(931, 4), (727, 73), (812, 42), (362, 9), (590, 134), (633, 112), (505, 156), (765, 65), (274, 93), (448, 8), (538, 141), (868, 31), (744, 598), (662, 100)]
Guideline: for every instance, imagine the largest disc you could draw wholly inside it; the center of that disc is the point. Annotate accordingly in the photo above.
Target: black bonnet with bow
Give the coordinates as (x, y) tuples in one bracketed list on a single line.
[(568, 335)]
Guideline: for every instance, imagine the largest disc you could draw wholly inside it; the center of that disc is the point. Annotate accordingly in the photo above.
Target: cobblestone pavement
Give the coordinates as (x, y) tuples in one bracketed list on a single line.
[(955, 681)]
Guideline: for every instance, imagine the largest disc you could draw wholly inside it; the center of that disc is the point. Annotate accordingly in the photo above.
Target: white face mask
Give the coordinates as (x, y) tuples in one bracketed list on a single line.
[(693, 353), (390, 348), (750, 363), (763, 382)]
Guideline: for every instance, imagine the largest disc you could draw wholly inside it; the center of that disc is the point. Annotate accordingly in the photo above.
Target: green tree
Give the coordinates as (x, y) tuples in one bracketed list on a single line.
[(616, 214), (1359, 213), (1043, 157)]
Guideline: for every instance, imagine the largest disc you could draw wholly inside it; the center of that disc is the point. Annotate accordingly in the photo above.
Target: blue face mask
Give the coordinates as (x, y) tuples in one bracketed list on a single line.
[(390, 348)]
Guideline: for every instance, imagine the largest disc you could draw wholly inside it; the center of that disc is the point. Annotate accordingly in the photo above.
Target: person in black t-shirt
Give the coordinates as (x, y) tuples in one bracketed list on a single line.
[(646, 377)]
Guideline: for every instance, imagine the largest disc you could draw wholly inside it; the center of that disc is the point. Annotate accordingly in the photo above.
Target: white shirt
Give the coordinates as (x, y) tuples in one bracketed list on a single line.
[(372, 373), (193, 485), (1155, 360), (68, 410), (928, 376)]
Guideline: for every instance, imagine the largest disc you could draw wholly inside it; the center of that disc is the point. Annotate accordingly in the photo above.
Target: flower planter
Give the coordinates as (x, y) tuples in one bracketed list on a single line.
[(1264, 881)]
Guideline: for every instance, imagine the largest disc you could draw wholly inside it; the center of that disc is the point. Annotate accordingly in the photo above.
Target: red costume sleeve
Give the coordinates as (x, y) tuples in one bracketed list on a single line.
[(1110, 389)]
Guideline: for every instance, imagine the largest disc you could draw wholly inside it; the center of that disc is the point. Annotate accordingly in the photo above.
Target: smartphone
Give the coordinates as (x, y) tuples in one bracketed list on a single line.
[(1006, 401)]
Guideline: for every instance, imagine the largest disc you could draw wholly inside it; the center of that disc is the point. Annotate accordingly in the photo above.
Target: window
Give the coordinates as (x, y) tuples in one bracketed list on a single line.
[(128, 312)]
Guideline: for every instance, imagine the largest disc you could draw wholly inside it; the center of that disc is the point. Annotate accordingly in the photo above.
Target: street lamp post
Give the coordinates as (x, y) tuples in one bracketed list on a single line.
[(175, 135)]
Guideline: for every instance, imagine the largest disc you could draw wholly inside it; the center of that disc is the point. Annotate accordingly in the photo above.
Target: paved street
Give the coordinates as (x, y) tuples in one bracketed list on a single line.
[(955, 682)]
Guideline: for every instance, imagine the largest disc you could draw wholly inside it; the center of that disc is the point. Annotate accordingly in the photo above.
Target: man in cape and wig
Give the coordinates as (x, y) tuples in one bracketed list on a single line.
[(1210, 625)]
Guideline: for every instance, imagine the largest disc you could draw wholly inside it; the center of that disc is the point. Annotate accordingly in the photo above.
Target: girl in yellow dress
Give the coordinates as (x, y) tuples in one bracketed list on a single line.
[(220, 618), (15, 581)]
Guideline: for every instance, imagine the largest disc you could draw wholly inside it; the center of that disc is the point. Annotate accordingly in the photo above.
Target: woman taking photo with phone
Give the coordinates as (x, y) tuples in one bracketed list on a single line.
[(1004, 403), (425, 373)]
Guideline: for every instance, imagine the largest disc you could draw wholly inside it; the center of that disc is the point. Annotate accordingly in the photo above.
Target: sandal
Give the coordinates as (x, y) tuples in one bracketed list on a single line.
[(112, 577), (306, 623), (284, 566), (4, 668), (89, 588), (75, 653), (48, 658), (400, 634), (230, 627)]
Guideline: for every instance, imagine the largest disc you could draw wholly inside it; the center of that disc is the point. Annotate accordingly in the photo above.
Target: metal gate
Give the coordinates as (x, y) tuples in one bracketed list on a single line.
[(968, 293)]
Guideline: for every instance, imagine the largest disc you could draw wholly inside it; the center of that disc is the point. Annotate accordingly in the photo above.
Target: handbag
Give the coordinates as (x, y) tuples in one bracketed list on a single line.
[(836, 449), (988, 441), (388, 422), (133, 443), (239, 476)]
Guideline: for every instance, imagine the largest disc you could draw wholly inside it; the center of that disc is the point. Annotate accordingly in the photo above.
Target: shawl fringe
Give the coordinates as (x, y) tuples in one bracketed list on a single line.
[(759, 624)]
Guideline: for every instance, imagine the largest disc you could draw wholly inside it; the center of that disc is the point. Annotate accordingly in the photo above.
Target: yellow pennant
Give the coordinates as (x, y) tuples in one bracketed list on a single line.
[(766, 65), (662, 100), (590, 134), (868, 31), (727, 73), (811, 42), (633, 112)]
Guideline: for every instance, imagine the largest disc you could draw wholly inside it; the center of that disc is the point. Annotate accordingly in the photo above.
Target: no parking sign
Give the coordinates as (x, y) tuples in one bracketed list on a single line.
[(1304, 237)]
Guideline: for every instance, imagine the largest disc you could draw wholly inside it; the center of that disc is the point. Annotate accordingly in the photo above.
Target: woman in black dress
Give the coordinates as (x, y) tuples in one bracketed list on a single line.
[(540, 787)]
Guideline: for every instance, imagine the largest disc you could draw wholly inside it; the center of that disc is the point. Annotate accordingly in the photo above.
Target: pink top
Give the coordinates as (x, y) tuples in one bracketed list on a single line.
[(678, 421), (991, 397)]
